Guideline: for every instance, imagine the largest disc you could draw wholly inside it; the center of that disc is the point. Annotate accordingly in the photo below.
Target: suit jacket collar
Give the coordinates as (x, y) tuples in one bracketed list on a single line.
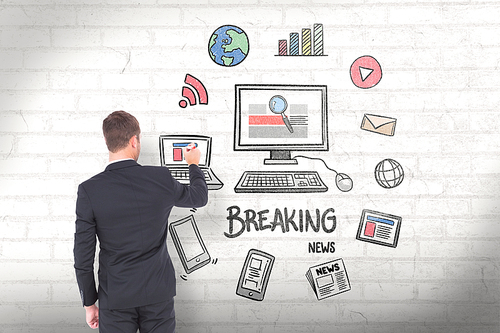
[(121, 165)]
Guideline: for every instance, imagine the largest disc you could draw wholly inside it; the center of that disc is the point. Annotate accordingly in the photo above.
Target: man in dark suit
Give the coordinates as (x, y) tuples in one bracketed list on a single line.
[(127, 207)]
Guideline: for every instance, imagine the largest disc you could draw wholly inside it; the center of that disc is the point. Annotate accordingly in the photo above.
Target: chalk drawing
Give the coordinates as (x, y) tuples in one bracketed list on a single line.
[(255, 274), (379, 228), (171, 156)]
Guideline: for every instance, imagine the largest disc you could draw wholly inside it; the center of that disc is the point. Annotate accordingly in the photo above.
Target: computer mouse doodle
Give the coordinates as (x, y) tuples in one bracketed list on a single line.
[(343, 182)]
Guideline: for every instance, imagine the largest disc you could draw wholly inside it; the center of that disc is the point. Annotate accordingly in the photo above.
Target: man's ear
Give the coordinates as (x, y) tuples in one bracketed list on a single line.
[(133, 141)]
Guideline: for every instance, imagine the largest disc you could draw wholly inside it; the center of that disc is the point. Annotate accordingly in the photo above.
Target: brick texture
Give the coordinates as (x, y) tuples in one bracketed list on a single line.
[(65, 65)]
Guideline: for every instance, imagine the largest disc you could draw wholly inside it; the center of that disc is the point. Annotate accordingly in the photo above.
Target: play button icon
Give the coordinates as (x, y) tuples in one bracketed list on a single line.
[(366, 72)]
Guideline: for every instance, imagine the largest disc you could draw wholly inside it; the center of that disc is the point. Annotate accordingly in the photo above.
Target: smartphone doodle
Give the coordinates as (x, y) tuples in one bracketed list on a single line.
[(255, 275), (189, 244)]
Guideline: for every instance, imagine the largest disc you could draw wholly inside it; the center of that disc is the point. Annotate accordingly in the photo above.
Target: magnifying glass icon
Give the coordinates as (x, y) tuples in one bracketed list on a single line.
[(278, 105)]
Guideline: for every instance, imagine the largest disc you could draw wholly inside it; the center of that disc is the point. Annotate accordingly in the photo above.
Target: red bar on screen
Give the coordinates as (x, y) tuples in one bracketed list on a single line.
[(265, 120)]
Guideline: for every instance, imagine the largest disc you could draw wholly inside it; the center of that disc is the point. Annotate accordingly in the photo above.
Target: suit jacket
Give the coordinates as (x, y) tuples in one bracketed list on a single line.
[(127, 207)]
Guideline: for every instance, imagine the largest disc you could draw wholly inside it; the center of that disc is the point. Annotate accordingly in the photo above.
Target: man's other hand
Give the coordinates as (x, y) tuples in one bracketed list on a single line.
[(192, 156), (92, 316)]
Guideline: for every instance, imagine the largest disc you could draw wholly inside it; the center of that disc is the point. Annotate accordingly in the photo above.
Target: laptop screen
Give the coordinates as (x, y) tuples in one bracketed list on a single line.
[(172, 149)]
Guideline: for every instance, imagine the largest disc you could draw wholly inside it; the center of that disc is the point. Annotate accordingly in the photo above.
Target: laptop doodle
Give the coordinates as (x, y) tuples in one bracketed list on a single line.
[(172, 157)]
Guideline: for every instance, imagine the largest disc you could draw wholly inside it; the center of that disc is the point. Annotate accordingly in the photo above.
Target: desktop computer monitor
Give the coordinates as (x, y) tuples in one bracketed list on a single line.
[(281, 119)]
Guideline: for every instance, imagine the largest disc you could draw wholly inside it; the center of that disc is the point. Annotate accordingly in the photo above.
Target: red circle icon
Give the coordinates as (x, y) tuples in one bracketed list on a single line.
[(366, 72)]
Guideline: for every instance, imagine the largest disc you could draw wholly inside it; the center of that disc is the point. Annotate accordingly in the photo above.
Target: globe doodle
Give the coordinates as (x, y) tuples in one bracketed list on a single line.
[(228, 46), (389, 173)]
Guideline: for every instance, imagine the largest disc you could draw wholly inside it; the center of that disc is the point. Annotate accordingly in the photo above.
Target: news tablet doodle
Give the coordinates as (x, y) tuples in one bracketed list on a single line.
[(312, 43), (366, 72), (389, 173), (328, 279), (255, 274), (379, 228), (379, 124)]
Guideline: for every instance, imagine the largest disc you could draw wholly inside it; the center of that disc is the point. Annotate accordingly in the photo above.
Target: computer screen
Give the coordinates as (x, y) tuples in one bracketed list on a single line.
[(280, 119), (172, 153)]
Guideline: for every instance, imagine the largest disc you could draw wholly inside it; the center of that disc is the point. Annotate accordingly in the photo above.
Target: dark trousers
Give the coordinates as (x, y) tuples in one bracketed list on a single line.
[(154, 318)]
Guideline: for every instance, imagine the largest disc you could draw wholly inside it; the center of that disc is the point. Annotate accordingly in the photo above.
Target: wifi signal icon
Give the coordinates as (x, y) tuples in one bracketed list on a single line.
[(191, 95)]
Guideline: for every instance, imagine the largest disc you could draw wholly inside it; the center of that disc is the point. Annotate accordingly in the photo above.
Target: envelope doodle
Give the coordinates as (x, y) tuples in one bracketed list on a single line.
[(379, 124)]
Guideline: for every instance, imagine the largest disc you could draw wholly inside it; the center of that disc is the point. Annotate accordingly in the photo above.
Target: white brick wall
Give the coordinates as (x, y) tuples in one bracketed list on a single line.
[(65, 65)]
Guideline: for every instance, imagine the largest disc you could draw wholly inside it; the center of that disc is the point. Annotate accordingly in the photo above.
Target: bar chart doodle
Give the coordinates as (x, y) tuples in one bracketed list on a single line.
[(309, 42)]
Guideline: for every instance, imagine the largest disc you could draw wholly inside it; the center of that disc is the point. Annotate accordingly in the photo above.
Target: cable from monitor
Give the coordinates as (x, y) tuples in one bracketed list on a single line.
[(342, 180)]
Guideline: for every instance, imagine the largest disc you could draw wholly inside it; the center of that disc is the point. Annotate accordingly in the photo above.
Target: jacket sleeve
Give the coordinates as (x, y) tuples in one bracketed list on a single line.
[(84, 248), (196, 194)]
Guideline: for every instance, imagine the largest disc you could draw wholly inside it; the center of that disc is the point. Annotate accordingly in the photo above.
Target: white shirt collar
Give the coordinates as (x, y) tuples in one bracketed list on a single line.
[(123, 159)]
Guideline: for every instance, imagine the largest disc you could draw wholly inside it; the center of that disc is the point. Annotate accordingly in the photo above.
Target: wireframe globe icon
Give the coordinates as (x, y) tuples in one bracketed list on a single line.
[(389, 173), (228, 46)]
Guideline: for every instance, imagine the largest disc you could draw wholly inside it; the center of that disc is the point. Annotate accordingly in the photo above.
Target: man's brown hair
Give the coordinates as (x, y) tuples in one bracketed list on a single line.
[(118, 128)]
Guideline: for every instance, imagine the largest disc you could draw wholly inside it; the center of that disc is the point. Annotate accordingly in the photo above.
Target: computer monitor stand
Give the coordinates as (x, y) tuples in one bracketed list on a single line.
[(280, 157)]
